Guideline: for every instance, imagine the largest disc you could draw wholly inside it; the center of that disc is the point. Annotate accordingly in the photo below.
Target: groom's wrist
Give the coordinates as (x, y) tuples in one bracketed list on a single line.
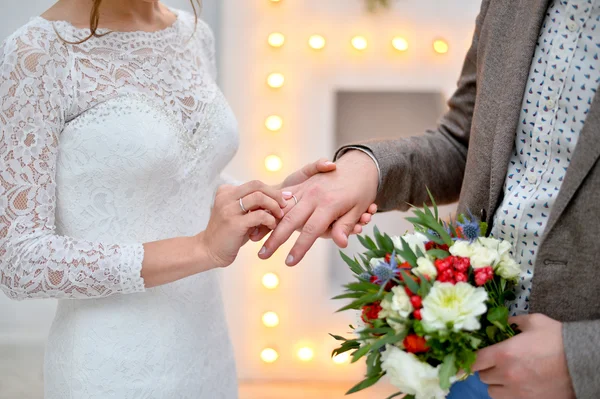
[(355, 148)]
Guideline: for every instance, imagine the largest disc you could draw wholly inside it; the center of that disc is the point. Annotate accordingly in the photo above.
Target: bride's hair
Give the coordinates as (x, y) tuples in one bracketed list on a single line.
[(95, 19)]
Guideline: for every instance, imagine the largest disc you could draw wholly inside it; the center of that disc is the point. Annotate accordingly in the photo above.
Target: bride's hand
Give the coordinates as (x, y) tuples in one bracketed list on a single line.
[(237, 211)]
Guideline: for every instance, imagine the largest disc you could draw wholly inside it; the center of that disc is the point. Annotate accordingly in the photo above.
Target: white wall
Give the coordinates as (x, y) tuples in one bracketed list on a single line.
[(30, 320), (307, 105)]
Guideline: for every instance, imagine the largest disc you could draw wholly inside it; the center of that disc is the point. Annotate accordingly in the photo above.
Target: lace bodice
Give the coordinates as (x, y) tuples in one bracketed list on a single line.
[(92, 136)]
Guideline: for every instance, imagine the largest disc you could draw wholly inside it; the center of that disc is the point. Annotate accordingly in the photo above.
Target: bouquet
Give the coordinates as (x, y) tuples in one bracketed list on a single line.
[(429, 301)]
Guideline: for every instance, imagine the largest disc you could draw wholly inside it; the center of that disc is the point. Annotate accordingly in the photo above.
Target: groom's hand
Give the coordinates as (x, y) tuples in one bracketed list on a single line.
[(340, 197), (531, 365)]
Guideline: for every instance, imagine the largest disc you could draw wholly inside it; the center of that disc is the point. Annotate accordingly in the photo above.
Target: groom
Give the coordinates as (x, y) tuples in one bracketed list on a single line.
[(519, 146)]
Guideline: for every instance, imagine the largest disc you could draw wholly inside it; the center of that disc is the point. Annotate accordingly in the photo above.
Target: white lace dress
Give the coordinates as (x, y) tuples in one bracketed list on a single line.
[(104, 146)]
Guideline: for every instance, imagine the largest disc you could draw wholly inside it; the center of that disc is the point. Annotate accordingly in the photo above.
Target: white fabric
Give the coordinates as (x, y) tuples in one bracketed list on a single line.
[(104, 146), (562, 84)]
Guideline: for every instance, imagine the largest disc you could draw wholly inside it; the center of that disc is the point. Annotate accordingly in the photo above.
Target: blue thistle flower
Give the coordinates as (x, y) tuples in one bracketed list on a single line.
[(470, 227), (365, 276), (386, 271)]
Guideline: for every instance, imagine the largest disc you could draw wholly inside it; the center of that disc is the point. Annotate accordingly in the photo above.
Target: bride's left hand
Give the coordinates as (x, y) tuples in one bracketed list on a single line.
[(323, 165)]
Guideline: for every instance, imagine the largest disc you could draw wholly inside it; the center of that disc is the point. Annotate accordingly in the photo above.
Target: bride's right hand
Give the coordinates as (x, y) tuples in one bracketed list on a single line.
[(229, 226)]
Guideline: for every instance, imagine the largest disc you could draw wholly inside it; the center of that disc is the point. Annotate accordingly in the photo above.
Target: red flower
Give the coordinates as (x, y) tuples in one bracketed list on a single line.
[(408, 291), (460, 277), (415, 344), (430, 245), (483, 275), (459, 232), (416, 301), (461, 264), (417, 314), (371, 312), (388, 258)]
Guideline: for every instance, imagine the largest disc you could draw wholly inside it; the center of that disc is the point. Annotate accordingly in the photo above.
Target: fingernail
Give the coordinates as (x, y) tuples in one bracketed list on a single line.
[(263, 251), (255, 232), (329, 163), (287, 195), (289, 259)]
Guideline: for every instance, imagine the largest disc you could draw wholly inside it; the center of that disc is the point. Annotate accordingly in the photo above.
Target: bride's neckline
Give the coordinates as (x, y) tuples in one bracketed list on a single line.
[(173, 27)]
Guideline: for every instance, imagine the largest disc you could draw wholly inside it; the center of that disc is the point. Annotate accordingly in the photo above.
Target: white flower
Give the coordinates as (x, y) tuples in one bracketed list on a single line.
[(507, 267), (397, 306), (410, 375), (462, 248), (414, 241), (484, 257), (426, 268), (459, 305)]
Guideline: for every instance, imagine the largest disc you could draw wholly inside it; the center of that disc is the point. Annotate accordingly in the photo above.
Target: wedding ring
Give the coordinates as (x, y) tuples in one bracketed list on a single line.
[(242, 206), (295, 199)]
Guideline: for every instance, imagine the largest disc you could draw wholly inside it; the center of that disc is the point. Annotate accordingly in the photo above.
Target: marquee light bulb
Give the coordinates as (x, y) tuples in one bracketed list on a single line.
[(274, 123), (360, 42), (400, 43), (270, 281), (269, 355), (341, 358), (273, 163), (270, 319), (441, 46), (276, 39), (306, 354), (275, 80), (317, 42)]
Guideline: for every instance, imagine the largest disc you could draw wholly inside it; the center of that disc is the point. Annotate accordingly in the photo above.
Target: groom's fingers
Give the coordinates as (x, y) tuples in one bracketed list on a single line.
[(343, 227), (315, 227), (293, 220)]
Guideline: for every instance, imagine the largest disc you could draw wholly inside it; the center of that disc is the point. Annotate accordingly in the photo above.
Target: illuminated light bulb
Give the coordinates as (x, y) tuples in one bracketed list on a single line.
[(269, 355), (274, 123), (270, 319), (275, 80), (317, 42), (400, 43), (273, 163), (359, 42), (276, 39), (440, 46), (341, 358), (305, 354), (270, 281)]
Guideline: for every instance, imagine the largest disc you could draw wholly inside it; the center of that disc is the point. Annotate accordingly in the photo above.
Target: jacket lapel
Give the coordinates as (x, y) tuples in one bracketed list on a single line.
[(519, 49), (584, 158)]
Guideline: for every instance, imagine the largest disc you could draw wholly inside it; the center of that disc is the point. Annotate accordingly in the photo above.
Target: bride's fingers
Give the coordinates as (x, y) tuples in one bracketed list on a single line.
[(258, 200), (372, 209), (258, 218), (258, 186), (357, 229), (323, 165), (259, 233)]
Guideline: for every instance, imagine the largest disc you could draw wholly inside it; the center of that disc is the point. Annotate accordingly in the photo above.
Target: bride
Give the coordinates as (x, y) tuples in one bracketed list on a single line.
[(113, 136)]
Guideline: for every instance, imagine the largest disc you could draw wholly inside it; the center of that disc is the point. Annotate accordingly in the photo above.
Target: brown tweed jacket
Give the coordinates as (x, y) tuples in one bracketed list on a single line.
[(466, 158)]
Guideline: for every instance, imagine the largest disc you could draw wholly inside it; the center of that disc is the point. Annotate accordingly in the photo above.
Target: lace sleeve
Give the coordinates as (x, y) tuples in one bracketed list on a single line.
[(35, 262)]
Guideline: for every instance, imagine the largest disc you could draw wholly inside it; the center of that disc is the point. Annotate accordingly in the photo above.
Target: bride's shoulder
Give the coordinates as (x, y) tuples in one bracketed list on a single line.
[(34, 51), (196, 26), (36, 39)]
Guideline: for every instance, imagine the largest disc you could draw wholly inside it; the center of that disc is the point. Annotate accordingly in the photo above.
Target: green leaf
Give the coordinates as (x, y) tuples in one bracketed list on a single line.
[(367, 242), (352, 295), (397, 394), (409, 282), (388, 244), (408, 254), (374, 363), (365, 384), (346, 346), (438, 253), (433, 238), (424, 286), (338, 338), (447, 370), (380, 253), (498, 315), (354, 265), (410, 397), (435, 208), (508, 296), (381, 330), (362, 286), (360, 302), (491, 332), (363, 350)]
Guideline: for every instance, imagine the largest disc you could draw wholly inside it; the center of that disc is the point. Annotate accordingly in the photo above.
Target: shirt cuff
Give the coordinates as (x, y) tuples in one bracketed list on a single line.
[(365, 150)]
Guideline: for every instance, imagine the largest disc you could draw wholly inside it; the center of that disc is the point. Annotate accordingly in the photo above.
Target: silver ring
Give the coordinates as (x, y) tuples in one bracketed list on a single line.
[(295, 199), (242, 206)]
